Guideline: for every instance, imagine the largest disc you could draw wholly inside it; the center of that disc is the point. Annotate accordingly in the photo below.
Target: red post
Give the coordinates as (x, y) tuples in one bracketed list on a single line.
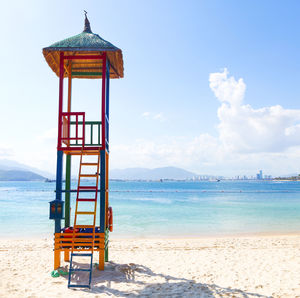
[(60, 103), (103, 120)]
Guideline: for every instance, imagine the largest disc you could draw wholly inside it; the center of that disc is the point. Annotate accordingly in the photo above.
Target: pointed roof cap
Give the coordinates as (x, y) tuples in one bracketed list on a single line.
[(86, 42), (87, 26)]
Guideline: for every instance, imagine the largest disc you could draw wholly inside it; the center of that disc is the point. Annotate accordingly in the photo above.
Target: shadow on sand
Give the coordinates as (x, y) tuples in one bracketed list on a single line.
[(149, 284)]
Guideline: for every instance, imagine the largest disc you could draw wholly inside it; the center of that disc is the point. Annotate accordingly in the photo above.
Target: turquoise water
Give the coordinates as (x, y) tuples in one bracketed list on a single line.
[(155, 209)]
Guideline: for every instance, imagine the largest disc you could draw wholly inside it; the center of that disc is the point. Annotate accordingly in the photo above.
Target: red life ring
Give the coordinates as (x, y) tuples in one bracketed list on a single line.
[(110, 219)]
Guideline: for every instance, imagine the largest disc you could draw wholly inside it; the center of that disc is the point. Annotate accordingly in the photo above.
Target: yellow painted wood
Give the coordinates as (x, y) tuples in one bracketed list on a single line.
[(83, 227), (56, 259), (96, 248), (69, 85), (67, 255), (86, 212), (89, 175), (101, 260)]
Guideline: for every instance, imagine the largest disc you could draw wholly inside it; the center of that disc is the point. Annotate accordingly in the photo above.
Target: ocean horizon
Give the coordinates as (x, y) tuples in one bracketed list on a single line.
[(168, 209)]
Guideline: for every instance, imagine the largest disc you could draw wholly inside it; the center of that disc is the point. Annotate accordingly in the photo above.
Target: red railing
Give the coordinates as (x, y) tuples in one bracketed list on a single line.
[(76, 135)]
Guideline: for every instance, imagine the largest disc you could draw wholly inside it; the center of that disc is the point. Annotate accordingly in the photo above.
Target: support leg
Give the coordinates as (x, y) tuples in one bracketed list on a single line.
[(106, 245), (67, 255), (56, 259), (101, 260)]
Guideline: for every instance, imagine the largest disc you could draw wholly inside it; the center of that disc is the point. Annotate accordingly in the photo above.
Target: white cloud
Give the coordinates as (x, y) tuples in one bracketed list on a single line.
[(248, 139), (149, 116), (159, 117), (227, 89), (49, 135), (245, 129), (146, 115), (6, 152)]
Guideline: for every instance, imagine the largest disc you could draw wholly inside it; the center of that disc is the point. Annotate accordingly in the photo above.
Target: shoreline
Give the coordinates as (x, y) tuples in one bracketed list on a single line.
[(165, 237)]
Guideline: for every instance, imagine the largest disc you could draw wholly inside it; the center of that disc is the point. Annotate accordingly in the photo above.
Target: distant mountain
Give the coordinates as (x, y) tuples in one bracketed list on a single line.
[(6, 165), (151, 174), (18, 175)]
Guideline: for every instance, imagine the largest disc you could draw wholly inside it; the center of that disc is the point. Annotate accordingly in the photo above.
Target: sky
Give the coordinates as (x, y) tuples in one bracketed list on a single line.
[(209, 86)]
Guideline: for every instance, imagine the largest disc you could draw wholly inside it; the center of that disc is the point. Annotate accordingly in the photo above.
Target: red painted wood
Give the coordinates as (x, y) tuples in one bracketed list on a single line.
[(83, 130), (60, 102), (103, 100), (77, 116), (87, 187), (79, 148), (73, 113)]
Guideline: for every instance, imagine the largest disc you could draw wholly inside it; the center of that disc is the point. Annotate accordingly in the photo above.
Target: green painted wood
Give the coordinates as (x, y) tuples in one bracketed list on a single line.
[(91, 133), (91, 124), (106, 245), (83, 73), (67, 194)]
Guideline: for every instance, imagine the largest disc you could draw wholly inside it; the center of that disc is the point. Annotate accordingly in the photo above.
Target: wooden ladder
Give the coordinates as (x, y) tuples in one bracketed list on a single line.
[(83, 244)]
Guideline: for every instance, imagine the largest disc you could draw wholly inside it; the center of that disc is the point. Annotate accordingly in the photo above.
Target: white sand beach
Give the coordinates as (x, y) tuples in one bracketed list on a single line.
[(253, 266)]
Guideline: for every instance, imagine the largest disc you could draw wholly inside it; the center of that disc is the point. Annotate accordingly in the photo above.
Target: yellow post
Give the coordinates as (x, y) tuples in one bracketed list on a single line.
[(69, 86), (101, 260), (56, 259), (67, 255)]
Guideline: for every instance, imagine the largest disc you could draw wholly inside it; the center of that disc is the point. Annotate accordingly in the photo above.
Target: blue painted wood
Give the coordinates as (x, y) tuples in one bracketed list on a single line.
[(59, 176), (74, 270)]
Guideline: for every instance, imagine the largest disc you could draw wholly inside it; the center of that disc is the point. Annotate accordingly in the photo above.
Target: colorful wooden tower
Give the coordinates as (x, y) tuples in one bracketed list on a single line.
[(84, 56)]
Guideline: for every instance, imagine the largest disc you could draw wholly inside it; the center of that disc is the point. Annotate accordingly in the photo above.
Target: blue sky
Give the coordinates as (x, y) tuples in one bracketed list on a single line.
[(165, 112)]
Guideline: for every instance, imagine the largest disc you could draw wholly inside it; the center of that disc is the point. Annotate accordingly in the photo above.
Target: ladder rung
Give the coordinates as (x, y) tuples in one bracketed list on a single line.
[(90, 152), (89, 163), (74, 270), (86, 212), (83, 226), (88, 175), (87, 187), (79, 286), (81, 255), (86, 200)]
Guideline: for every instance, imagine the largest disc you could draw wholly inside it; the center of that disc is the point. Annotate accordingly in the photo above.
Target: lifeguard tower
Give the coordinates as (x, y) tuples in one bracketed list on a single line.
[(83, 56)]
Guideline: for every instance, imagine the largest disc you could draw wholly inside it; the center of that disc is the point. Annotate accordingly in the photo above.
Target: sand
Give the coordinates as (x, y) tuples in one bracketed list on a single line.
[(253, 266)]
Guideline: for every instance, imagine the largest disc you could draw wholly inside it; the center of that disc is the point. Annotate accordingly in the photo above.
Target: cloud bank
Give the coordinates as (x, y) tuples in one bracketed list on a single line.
[(247, 130), (248, 139)]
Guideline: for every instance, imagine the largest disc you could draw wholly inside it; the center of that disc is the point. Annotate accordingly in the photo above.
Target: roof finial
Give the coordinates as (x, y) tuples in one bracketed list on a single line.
[(87, 26)]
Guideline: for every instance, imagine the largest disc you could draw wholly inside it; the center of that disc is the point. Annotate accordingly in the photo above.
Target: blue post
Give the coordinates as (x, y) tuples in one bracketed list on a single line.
[(59, 173)]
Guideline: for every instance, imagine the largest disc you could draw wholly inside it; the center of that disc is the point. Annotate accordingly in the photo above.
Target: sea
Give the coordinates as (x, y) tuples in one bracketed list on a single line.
[(174, 209)]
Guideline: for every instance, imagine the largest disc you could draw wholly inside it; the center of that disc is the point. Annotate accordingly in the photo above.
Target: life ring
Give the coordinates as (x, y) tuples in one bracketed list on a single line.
[(110, 219)]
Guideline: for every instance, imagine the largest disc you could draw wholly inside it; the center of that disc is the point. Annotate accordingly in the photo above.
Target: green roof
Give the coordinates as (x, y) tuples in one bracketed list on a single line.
[(87, 41), (83, 42)]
